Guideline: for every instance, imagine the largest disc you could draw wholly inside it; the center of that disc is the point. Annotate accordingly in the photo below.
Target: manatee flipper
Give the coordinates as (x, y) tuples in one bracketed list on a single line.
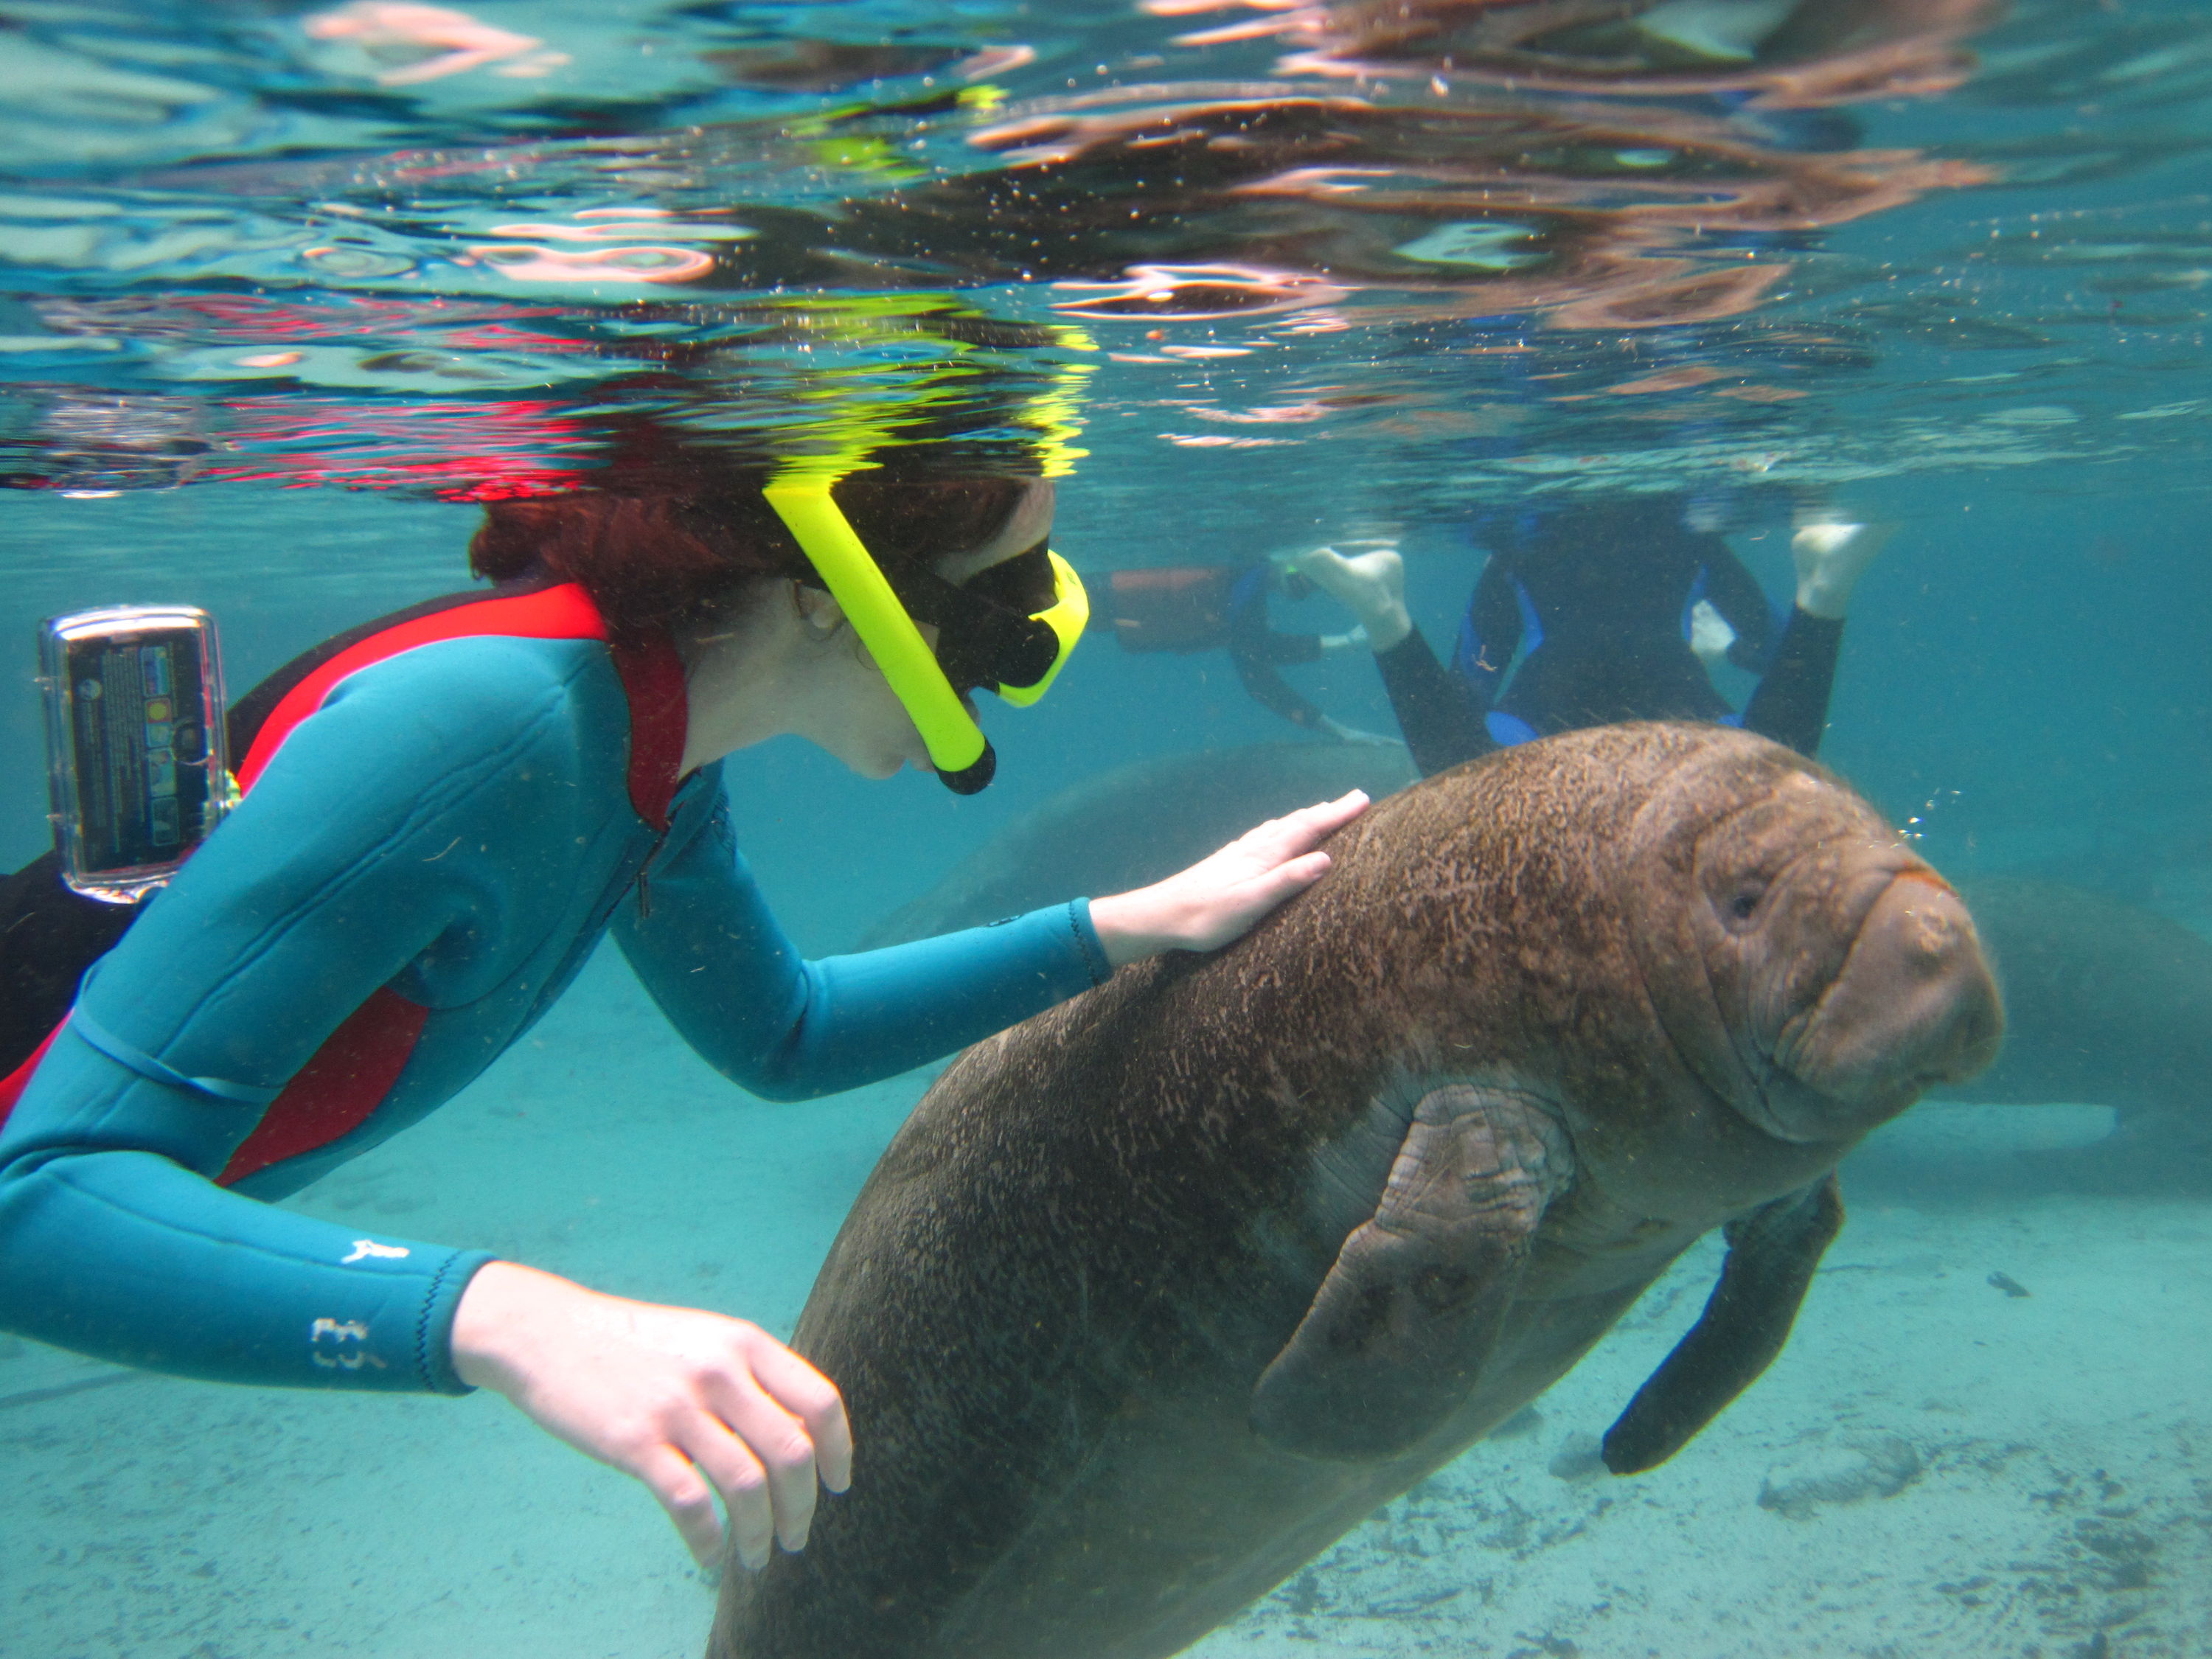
[(1772, 1253), (1405, 1319)]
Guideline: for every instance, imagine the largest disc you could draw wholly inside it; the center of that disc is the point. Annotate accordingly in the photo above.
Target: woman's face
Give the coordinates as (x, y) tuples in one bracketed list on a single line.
[(856, 715)]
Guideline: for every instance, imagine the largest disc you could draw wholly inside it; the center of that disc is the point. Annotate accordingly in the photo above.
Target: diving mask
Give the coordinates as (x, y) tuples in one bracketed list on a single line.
[(1010, 627)]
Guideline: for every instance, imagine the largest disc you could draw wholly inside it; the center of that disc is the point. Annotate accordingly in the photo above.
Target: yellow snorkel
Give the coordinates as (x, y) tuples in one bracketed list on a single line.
[(799, 493)]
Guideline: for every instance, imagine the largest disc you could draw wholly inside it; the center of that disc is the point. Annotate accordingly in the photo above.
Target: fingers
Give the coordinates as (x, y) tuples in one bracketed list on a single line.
[(684, 1493), (728, 1462), (1309, 825), (782, 1434), (1293, 876), (812, 1399), (1234, 912), (761, 1458), (1220, 897), (1330, 816), (691, 1403)]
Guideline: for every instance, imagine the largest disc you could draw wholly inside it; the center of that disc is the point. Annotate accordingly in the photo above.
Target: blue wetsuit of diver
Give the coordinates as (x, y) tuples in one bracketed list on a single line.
[(1598, 598), (437, 830)]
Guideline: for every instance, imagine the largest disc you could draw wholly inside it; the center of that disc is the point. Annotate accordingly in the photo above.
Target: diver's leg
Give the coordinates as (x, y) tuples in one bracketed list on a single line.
[(1791, 703), (1440, 722), (1436, 716)]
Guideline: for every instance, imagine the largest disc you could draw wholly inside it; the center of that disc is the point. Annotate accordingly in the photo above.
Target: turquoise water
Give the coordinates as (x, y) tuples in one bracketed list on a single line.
[(285, 299)]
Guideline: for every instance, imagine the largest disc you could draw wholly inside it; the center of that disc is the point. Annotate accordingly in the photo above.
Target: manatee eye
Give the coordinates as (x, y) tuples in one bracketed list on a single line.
[(1744, 904)]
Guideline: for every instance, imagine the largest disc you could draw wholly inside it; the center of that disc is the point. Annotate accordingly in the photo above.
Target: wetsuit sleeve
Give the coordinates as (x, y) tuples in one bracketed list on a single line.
[(1737, 594), (733, 983), (1441, 723), (1273, 692), (360, 847), (1790, 704), (1254, 652)]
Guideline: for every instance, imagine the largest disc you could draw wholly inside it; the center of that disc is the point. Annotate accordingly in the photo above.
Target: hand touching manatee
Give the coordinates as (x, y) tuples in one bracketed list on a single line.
[(690, 1403), (1220, 898)]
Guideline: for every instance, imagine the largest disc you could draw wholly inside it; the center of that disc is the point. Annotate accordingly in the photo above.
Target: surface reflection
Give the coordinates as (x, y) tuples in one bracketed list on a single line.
[(450, 399), (1264, 199), (1784, 53)]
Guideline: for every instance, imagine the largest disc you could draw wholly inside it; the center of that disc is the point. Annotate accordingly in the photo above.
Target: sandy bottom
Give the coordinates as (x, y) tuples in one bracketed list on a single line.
[(1937, 1466)]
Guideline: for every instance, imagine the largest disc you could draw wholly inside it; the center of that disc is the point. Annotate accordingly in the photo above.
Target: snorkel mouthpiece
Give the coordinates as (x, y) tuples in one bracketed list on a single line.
[(972, 780)]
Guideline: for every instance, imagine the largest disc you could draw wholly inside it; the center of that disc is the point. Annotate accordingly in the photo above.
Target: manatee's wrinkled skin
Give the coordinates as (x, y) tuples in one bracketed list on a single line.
[(2105, 1004), (1160, 1293), (1131, 826)]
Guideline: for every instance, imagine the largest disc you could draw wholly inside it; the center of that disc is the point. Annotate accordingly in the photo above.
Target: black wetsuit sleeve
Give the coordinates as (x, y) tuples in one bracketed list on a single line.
[(1791, 703), (1737, 594), (1271, 690), (1442, 724), (1254, 649)]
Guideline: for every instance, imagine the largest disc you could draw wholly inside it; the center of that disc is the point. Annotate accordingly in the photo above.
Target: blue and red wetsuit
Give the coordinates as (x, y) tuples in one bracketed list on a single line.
[(444, 812)]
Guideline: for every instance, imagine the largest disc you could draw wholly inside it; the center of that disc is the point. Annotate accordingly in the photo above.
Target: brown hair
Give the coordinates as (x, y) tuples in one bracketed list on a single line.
[(651, 559)]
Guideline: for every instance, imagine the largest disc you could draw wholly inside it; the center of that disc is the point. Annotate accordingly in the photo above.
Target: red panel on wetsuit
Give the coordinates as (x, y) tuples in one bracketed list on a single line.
[(349, 1075), (12, 1085), (333, 1094), (565, 612), (652, 676)]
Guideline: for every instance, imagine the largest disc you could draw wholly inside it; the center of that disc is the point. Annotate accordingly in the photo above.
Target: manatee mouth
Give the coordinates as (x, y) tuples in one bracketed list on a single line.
[(1913, 1005)]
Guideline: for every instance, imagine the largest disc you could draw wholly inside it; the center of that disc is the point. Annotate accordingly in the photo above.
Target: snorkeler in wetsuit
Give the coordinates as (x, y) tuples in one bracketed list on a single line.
[(443, 813), (1606, 605), (1223, 607)]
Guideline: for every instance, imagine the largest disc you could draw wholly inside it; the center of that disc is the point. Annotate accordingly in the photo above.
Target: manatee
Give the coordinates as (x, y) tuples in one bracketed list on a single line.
[(2107, 1004), (1131, 826), (1160, 1293)]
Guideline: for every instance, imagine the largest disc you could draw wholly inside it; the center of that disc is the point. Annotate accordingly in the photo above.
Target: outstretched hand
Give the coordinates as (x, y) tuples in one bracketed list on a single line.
[(1220, 898), (689, 1402)]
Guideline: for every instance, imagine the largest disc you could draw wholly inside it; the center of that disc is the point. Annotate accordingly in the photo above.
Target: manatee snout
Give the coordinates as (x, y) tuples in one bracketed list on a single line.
[(1914, 1006)]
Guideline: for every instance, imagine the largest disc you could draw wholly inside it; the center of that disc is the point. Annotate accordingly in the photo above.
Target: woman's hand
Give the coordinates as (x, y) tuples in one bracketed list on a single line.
[(1219, 898), (689, 1402)]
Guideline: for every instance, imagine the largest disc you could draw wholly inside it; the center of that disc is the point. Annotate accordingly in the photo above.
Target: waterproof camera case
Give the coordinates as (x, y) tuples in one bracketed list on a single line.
[(135, 762)]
